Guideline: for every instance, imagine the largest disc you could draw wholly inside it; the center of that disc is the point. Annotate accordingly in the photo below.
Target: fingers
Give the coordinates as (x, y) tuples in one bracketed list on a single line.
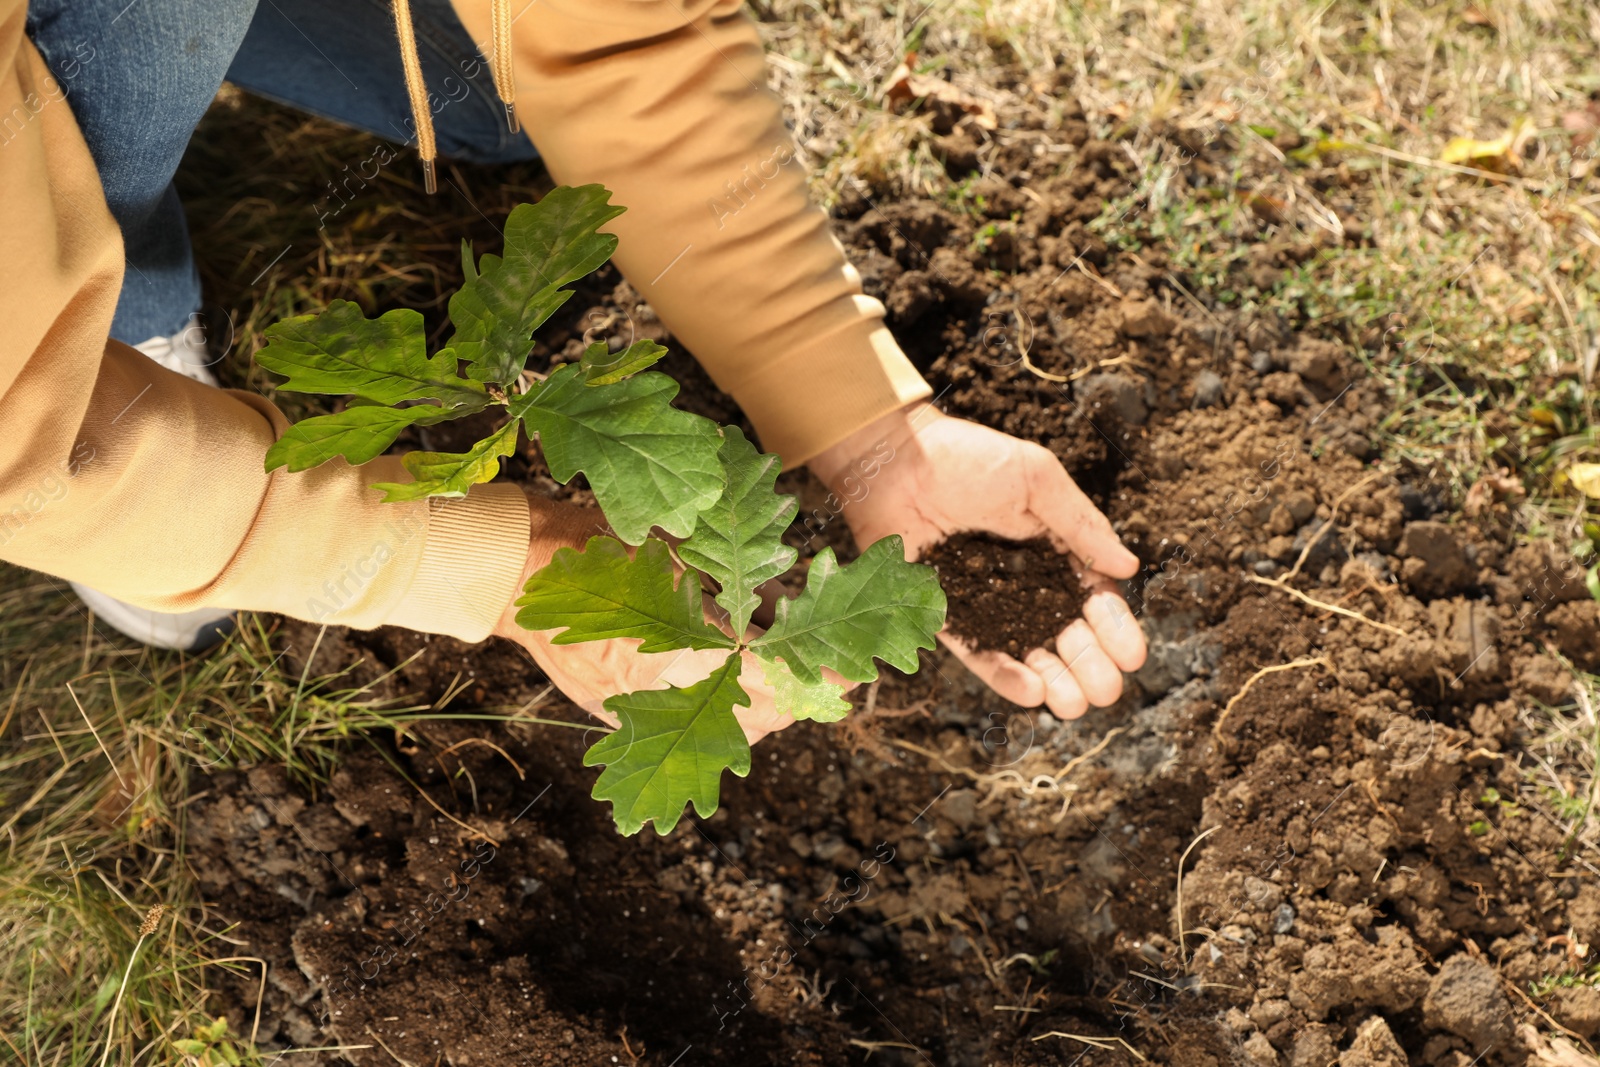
[(1063, 696), (1064, 509), (1017, 683), (1097, 677), (1114, 625)]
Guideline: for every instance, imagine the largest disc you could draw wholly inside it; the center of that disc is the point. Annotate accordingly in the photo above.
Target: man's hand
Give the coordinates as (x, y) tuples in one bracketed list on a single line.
[(945, 475), (590, 671)]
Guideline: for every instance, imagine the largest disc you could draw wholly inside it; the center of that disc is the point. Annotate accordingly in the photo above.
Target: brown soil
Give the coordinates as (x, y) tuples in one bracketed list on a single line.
[(1007, 595), (946, 880)]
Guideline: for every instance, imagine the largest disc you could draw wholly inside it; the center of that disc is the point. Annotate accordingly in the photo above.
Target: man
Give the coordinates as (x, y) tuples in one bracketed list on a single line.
[(167, 520)]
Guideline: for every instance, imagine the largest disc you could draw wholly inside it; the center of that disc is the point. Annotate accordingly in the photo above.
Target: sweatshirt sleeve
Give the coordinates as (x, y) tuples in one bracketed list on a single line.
[(148, 486), (665, 103)]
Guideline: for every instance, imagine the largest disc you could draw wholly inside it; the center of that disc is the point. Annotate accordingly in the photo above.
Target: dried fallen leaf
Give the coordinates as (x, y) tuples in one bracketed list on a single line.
[(906, 85), (1585, 477), (1502, 155), (1497, 486), (1554, 1051)]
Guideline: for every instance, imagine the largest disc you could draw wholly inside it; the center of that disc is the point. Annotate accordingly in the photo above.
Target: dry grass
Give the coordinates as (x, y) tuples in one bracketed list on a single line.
[(1472, 297), (101, 743)]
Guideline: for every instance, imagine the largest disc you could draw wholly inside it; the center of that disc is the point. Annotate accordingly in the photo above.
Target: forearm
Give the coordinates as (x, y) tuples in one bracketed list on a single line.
[(664, 104), (150, 487)]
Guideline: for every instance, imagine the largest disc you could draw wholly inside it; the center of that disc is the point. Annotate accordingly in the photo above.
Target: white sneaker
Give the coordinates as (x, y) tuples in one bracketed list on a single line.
[(185, 352), (187, 631)]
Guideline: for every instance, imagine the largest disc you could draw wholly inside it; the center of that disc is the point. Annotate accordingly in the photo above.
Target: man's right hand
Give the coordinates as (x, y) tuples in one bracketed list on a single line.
[(591, 671)]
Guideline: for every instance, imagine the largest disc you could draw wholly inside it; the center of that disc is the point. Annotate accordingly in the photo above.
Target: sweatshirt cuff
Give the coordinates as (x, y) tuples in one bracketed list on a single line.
[(816, 396), (471, 563)]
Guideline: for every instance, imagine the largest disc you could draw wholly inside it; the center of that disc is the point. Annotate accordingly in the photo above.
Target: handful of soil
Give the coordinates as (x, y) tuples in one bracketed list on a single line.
[(1006, 596)]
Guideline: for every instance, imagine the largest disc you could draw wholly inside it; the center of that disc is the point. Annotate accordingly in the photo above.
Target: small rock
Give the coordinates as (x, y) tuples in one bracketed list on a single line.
[(1283, 919), (1261, 361), (1318, 362), (1238, 1021), (1117, 394), (1302, 506), (1144, 319), (1207, 389), (1465, 998), (1374, 1046), (1281, 548), (1313, 1047), (1265, 567), (1269, 1013), (961, 807), (1259, 1051)]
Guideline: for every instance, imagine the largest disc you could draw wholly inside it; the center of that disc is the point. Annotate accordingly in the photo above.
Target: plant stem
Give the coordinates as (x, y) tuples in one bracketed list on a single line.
[(151, 919)]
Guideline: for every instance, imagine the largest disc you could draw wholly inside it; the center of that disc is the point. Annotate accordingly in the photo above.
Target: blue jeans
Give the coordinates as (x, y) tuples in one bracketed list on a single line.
[(139, 75)]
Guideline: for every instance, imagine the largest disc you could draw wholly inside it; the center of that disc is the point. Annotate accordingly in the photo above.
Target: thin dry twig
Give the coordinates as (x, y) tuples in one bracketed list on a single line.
[(1325, 606), (1027, 786), (484, 741), (152, 919), (1333, 517), (96, 734), (261, 990), (392, 1054), (1183, 949), (1477, 953), (1282, 581), (1107, 1043), (873, 1046), (1303, 661)]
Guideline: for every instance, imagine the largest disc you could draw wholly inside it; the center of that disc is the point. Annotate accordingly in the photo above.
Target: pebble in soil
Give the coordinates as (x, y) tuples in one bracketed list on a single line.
[(1009, 596)]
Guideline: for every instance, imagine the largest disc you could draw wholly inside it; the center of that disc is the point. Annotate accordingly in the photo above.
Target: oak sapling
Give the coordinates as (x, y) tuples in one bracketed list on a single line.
[(651, 466)]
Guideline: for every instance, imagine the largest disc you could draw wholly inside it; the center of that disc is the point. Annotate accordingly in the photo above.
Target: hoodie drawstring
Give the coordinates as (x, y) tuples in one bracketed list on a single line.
[(504, 81), (417, 90)]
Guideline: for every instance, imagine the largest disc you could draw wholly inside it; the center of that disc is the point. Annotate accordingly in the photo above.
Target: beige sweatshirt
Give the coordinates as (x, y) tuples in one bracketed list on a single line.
[(141, 483)]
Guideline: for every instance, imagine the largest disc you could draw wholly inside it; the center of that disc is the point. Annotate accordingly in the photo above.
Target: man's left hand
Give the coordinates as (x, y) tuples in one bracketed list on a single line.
[(926, 475)]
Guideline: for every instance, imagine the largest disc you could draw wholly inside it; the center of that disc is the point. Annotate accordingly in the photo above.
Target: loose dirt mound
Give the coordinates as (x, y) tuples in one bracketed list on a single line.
[(1322, 742)]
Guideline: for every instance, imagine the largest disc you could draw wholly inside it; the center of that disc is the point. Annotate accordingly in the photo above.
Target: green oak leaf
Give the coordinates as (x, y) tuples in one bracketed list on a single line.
[(739, 539), (671, 749), (648, 463), (452, 473), (384, 360), (548, 245), (357, 433), (822, 702), (600, 593), (601, 367), (880, 605)]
